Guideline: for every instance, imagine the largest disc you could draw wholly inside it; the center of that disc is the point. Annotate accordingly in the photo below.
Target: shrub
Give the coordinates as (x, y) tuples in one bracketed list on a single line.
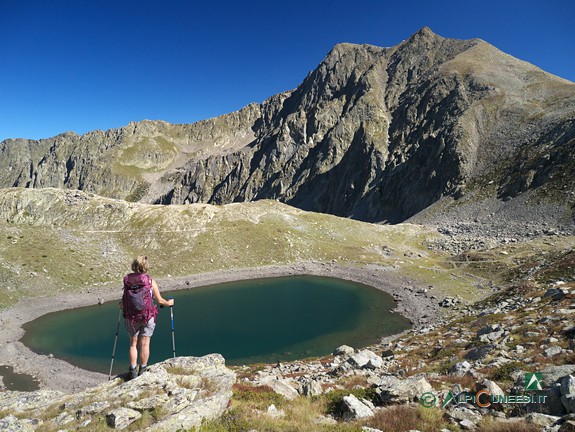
[(257, 396), (230, 421), (503, 372), (354, 381), (402, 418)]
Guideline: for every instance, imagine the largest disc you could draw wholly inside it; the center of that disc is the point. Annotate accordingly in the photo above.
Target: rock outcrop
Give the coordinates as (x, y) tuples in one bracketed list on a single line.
[(176, 394), (376, 134)]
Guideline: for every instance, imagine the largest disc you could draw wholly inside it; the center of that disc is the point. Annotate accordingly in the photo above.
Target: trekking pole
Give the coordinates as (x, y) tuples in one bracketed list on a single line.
[(173, 337), (115, 341)]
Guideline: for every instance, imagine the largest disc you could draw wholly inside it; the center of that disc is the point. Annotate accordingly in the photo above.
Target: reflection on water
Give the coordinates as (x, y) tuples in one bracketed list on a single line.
[(264, 320)]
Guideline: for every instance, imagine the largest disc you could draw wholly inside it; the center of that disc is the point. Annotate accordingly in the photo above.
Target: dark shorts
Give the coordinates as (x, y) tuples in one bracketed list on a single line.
[(140, 328)]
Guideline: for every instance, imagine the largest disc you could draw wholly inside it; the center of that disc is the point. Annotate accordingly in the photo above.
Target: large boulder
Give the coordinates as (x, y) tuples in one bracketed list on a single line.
[(365, 359), (567, 388), (353, 408), (554, 373), (460, 368), (185, 390), (311, 388), (491, 386), (344, 350), (554, 293), (394, 390), (121, 418), (284, 387), (205, 397), (480, 352), (557, 385)]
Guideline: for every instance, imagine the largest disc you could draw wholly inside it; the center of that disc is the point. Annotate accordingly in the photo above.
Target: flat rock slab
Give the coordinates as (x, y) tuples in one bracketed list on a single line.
[(186, 390), (121, 418)]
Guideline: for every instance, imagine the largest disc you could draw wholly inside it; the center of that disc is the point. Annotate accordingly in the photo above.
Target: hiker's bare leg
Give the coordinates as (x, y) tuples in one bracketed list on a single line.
[(133, 351), (144, 350)]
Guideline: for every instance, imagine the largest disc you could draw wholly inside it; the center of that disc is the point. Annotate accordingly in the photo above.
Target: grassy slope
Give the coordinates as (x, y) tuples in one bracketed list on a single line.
[(60, 241), (64, 240)]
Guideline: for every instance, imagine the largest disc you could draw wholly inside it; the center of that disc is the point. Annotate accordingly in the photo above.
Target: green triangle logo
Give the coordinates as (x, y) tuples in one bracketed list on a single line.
[(533, 381), (448, 399)]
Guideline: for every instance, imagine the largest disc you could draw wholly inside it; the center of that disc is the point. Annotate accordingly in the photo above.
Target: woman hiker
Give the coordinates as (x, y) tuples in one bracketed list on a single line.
[(140, 312)]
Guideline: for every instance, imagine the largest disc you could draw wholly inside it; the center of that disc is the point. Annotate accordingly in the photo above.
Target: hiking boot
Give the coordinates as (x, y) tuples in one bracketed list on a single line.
[(132, 373), (142, 370)]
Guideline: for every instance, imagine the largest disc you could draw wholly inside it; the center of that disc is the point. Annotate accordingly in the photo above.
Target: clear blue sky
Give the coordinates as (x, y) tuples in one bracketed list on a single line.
[(82, 65)]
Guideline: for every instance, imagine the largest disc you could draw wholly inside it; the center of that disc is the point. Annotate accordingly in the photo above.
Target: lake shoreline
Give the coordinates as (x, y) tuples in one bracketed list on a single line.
[(56, 374)]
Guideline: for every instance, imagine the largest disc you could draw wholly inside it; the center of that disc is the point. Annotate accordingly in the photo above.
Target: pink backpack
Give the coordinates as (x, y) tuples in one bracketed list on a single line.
[(137, 301)]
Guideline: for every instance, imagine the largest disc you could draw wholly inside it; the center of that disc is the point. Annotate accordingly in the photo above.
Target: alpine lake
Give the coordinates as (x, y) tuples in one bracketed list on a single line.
[(252, 321)]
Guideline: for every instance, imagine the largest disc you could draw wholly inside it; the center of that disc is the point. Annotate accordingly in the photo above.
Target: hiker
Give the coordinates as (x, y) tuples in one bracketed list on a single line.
[(140, 312)]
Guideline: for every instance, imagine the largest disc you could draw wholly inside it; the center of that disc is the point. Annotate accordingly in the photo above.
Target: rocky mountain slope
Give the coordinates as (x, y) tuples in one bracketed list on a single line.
[(376, 134)]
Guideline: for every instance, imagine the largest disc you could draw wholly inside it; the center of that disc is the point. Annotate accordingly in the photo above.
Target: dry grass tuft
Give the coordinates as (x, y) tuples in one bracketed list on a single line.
[(354, 381), (465, 381), (402, 418), (257, 397)]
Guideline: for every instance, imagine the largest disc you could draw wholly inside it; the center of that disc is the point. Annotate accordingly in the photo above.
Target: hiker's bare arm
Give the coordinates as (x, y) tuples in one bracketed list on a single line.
[(161, 300)]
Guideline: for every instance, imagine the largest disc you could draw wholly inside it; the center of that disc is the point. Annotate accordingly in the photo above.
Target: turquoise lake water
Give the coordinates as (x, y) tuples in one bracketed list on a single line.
[(263, 320)]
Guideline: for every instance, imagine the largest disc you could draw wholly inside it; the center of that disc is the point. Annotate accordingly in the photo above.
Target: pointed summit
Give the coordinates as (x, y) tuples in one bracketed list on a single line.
[(425, 34)]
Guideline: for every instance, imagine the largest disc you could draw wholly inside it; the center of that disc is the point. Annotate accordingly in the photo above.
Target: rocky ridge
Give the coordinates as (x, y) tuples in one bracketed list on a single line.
[(427, 119)]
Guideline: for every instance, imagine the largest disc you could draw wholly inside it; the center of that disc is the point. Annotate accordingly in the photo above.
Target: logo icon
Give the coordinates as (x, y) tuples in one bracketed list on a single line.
[(428, 400), (533, 381), (448, 399)]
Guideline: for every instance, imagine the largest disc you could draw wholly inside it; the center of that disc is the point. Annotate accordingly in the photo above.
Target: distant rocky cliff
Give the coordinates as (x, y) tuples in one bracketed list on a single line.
[(376, 134)]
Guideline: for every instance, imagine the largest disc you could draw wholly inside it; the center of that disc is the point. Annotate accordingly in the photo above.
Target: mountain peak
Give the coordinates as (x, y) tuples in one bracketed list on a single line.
[(424, 32), (424, 35), (427, 119)]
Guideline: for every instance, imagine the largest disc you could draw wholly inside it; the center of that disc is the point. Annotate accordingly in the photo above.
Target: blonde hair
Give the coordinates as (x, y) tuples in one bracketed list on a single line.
[(140, 264)]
